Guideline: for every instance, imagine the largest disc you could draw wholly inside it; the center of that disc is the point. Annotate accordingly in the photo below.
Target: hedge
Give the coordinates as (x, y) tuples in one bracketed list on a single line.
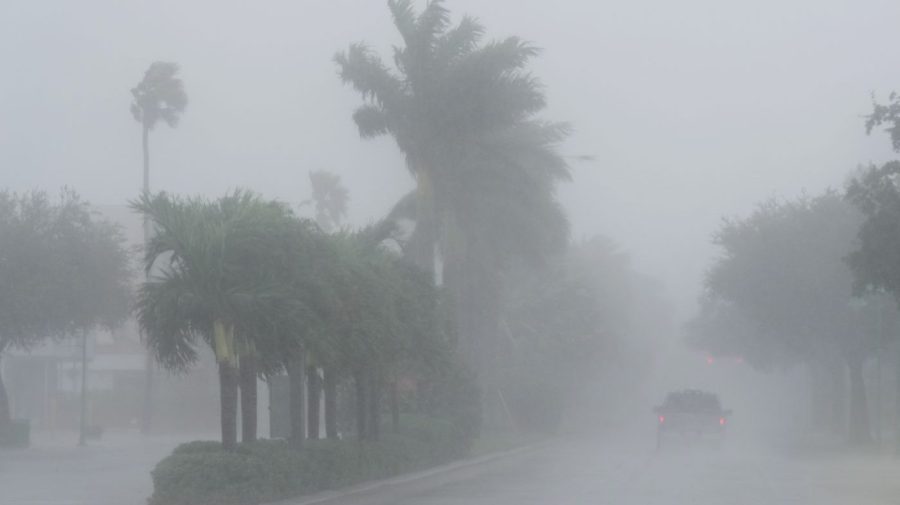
[(202, 473)]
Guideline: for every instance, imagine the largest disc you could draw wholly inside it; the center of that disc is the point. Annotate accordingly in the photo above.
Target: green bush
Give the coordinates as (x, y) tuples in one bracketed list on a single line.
[(201, 473)]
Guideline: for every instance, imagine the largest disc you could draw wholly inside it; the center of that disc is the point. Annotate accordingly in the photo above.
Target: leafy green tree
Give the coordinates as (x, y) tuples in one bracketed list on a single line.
[(465, 115), (875, 192), (62, 272), (217, 279), (782, 280)]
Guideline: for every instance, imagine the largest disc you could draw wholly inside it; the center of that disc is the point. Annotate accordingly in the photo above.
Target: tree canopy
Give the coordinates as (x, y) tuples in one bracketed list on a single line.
[(62, 271)]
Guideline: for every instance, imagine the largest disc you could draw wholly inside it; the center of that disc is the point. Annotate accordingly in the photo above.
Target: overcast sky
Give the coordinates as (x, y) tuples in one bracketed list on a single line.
[(692, 109)]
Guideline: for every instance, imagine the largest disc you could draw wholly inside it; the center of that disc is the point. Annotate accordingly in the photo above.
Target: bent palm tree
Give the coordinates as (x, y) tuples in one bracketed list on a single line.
[(464, 113), (159, 96), (204, 290)]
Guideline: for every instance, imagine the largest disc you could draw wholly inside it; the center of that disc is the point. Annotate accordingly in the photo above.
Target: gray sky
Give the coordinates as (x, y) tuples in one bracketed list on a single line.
[(693, 109)]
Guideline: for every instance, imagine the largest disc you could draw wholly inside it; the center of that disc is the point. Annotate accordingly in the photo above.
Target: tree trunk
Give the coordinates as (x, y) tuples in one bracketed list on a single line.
[(897, 404), (330, 390), (361, 433), (5, 414), (149, 365), (859, 410), (374, 397), (297, 394), (248, 371), (228, 391), (315, 397), (395, 407), (837, 397), (423, 248)]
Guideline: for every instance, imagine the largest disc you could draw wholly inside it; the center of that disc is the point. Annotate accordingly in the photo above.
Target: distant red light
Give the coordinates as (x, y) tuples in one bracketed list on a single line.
[(722, 421), (662, 419), (710, 360)]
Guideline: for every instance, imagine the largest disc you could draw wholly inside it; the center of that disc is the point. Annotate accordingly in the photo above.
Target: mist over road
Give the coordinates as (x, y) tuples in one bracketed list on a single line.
[(631, 472)]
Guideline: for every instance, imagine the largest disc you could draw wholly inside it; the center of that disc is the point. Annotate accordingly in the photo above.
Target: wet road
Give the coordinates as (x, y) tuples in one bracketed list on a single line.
[(634, 474), (111, 471), (621, 472)]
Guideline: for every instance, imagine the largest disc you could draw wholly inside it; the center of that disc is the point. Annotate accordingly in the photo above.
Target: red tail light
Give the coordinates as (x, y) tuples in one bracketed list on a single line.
[(662, 419), (722, 421)]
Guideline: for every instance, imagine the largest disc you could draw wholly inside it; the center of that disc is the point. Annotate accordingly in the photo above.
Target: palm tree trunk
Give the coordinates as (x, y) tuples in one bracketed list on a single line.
[(297, 394), (147, 406), (330, 391), (314, 399), (145, 141), (248, 371), (374, 398), (361, 433), (228, 392), (395, 407), (426, 222), (859, 409), (5, 414)]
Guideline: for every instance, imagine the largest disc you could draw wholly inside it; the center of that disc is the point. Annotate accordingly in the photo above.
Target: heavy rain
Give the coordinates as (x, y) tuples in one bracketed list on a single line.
[(432, 252)]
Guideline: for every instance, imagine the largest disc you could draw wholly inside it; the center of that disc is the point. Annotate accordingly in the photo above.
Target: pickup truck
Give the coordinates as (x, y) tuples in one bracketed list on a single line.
[(690, 413)]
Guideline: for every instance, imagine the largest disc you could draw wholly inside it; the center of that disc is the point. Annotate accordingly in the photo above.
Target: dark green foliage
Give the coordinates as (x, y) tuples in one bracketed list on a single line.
[(782, 272), (890, 114), (782, 293), (201, 473), (62, 271), (876, 262), (465, 113)]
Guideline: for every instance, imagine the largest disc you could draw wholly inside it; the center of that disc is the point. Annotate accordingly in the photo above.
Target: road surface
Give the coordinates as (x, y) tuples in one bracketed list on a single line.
[(55, 471), (617, 473), (115, 471)]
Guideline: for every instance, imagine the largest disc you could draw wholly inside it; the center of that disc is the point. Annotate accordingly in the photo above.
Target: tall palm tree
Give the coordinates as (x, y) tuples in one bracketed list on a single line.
[(159, 96), (213, 284), (464, 113)]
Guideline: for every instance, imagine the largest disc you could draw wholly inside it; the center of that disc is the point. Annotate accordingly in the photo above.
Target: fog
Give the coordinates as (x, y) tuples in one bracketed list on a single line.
[(684, 114)]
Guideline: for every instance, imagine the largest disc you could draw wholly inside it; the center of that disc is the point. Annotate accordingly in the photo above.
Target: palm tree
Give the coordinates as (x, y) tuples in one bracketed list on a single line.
[(330, 198), (159, 96), (464, 113), (218, 267)]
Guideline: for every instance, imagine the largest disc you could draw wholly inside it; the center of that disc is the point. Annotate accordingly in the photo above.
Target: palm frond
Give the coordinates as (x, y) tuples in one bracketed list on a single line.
[(371, 121), (404, 19), (458, 41), (369, 76)]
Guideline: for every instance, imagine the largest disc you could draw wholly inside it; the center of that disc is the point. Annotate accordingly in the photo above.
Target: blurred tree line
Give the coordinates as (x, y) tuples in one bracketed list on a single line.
[(809, 281)]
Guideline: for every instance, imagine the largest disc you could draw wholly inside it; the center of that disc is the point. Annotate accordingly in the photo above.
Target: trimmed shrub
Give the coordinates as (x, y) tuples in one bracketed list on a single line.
[(201, 473)]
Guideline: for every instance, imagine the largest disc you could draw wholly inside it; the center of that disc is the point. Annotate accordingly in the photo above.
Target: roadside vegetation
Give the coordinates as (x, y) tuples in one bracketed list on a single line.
[(814, 281)]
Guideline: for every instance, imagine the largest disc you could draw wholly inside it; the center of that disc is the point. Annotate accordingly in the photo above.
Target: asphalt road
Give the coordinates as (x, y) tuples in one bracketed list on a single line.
[(619, 473), (55, 471), (623, 471)]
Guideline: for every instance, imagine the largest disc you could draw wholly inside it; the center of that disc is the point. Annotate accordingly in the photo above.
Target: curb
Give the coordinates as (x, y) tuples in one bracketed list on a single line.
[(410, 482)]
